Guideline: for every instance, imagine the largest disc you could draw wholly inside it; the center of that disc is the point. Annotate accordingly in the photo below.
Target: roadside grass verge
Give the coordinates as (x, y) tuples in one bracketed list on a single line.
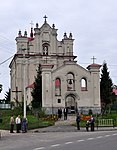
[(33, 121)]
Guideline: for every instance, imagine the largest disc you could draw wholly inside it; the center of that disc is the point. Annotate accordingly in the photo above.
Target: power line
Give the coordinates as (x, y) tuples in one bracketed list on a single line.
[(6, 44), (6, 60), (7, 39)]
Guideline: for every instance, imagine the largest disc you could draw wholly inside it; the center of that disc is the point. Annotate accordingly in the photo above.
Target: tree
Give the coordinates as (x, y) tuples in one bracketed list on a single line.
[(7, 96), (37, 90), (106, 87), (0, 88)]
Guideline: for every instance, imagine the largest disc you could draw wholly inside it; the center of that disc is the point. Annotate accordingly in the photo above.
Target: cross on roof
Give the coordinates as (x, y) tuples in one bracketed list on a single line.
[(93, 58), (45, 18), (32, 24)]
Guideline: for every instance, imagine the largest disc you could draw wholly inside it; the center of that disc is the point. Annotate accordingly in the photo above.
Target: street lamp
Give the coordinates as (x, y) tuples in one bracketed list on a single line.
[(24, 75), (24, 84)]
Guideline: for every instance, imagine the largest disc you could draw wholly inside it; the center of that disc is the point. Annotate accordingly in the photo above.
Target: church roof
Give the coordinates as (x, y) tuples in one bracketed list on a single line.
[(30, 39), (94, 66), (115, 91)]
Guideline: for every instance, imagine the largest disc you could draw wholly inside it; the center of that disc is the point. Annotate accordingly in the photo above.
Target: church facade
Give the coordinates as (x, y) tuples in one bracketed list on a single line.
[(64, 82)]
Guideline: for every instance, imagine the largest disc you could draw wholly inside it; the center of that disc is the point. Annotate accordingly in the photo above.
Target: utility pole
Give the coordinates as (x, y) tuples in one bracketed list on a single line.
[(24, 85), (24, 76)]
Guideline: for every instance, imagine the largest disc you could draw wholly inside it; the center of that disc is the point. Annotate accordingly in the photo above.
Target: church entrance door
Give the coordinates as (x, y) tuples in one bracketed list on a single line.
[(70, 103)]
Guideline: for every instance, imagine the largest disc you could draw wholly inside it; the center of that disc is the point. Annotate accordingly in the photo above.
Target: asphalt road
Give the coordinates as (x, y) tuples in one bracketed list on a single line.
[(82, 140)]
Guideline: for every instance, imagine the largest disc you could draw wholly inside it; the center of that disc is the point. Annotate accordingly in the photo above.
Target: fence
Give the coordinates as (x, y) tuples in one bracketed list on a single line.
[(5, 106), (105, 123)]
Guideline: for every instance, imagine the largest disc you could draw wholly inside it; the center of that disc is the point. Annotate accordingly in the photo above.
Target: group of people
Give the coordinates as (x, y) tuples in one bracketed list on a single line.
[(21, 124), (89, 123), (65, 112)]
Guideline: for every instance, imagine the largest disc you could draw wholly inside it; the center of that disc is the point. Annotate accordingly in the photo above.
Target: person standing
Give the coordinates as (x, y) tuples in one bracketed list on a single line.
[(59, 113), (87, 125), (78, 121), (92, 121), (18, 124), (65, 113), (12, 122), (24, 125)]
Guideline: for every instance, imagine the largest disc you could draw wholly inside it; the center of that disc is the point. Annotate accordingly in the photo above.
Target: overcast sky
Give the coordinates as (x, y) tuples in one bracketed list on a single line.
[(93, 24)]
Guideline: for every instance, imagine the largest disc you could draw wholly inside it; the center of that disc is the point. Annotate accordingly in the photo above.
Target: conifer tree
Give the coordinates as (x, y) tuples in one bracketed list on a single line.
[(7, 96), (0, 88), (106, 87), (37, 90)]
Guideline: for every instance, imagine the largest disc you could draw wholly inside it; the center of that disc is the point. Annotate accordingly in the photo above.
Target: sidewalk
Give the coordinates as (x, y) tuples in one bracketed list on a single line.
[(58, 128), (67, 126), (4, 133)]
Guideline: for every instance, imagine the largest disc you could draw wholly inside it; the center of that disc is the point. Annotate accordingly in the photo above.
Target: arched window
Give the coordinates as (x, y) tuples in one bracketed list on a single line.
[(45, 49), (70, 81), (83, 84), (57, 87)]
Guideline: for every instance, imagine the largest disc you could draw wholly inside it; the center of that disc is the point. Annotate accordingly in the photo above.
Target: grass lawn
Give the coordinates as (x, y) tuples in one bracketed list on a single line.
[(33, 122)]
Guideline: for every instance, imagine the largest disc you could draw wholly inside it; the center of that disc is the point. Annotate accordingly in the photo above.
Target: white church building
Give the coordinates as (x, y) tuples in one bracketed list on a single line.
[(64, 82)]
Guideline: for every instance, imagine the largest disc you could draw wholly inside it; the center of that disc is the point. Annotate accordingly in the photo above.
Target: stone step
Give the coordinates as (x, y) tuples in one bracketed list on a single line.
[(71, 119)]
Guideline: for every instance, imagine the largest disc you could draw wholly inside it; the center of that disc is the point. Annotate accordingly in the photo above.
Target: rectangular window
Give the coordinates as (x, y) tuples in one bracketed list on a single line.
[(59, 100), (57, 87)]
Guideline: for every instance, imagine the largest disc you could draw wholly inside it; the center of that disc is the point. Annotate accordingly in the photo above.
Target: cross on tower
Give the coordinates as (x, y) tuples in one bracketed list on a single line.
[(45, 18), (93, 59)]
